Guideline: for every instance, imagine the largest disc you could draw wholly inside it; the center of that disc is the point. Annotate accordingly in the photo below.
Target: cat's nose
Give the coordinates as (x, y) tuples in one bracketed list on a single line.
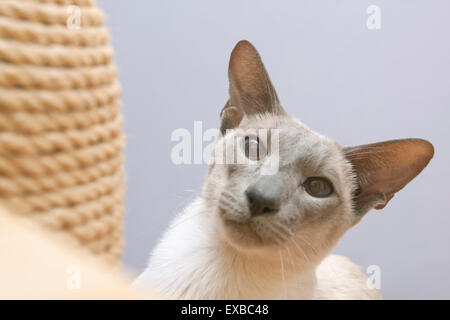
[(265, 195)]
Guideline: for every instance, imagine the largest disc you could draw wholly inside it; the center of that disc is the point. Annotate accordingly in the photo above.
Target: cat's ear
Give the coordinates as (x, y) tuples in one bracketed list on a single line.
[(251, 91), (384, 168), (230, 117)]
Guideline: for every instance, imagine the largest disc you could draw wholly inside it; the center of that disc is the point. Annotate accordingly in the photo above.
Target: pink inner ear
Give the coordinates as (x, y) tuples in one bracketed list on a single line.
[(230, 117), (384, 168), (381, 206)]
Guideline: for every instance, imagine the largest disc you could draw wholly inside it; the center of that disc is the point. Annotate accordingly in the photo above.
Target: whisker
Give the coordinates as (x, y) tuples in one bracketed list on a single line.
[(309, 244), (230, 207), (291, 259), (282, 273), (300, 250), (284, 229), (280, 236), (184, 219)]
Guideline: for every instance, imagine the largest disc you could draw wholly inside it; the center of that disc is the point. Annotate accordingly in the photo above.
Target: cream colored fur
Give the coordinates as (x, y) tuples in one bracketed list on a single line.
[(192, 262), (221, 248)]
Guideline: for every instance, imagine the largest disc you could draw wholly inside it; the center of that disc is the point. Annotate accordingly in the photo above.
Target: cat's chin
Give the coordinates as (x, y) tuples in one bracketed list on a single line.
[(243, 237)]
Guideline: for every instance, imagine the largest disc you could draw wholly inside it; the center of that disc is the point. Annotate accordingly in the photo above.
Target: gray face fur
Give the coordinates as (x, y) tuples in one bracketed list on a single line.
[(302, 154), (361, 178)]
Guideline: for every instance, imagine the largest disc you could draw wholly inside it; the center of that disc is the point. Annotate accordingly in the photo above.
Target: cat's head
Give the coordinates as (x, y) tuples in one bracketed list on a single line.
[(279, 183)]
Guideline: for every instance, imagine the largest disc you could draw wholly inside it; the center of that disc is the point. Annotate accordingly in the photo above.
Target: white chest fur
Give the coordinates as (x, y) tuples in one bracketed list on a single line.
[(193, 262)]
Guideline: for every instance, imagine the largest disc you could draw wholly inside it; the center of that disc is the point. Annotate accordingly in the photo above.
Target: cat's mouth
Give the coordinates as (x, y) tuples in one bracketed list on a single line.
[(244, 231)]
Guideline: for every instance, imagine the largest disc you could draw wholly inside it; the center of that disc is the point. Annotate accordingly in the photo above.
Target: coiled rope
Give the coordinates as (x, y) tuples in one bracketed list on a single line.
[(61, 137)]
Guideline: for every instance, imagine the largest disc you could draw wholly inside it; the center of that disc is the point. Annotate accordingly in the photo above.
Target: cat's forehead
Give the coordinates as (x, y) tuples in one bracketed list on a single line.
[(291, 131), (297, 143)]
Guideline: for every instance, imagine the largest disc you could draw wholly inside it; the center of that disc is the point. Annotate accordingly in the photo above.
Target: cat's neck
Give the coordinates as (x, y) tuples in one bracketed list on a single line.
[(267, 274), (211, 267)]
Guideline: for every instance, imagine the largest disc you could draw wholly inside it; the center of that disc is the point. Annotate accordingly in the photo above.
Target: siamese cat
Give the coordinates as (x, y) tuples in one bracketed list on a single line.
[(268, 234)]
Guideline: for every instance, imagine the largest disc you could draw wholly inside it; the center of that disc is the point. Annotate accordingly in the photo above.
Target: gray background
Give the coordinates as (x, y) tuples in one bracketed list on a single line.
[(343, 80)]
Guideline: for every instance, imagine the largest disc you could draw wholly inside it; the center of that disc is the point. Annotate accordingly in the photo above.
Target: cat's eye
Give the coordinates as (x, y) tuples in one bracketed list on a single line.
[(318, 187), (254, 149)]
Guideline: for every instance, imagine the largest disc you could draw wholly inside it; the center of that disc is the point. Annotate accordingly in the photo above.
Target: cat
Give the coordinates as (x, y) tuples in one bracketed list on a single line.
[(269, 236)]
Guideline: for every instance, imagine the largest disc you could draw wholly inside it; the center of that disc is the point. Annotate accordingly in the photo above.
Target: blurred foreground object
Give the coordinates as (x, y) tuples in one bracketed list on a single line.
[(36, 264), (61, 140)]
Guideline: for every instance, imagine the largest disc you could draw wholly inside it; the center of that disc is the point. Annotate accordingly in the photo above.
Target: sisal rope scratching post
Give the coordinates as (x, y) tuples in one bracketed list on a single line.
[(61, 140)]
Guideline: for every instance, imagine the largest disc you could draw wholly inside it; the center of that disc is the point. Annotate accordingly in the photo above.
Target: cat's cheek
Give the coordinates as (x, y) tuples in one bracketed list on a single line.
[(309, 203), (291, 213), (221, 229)]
